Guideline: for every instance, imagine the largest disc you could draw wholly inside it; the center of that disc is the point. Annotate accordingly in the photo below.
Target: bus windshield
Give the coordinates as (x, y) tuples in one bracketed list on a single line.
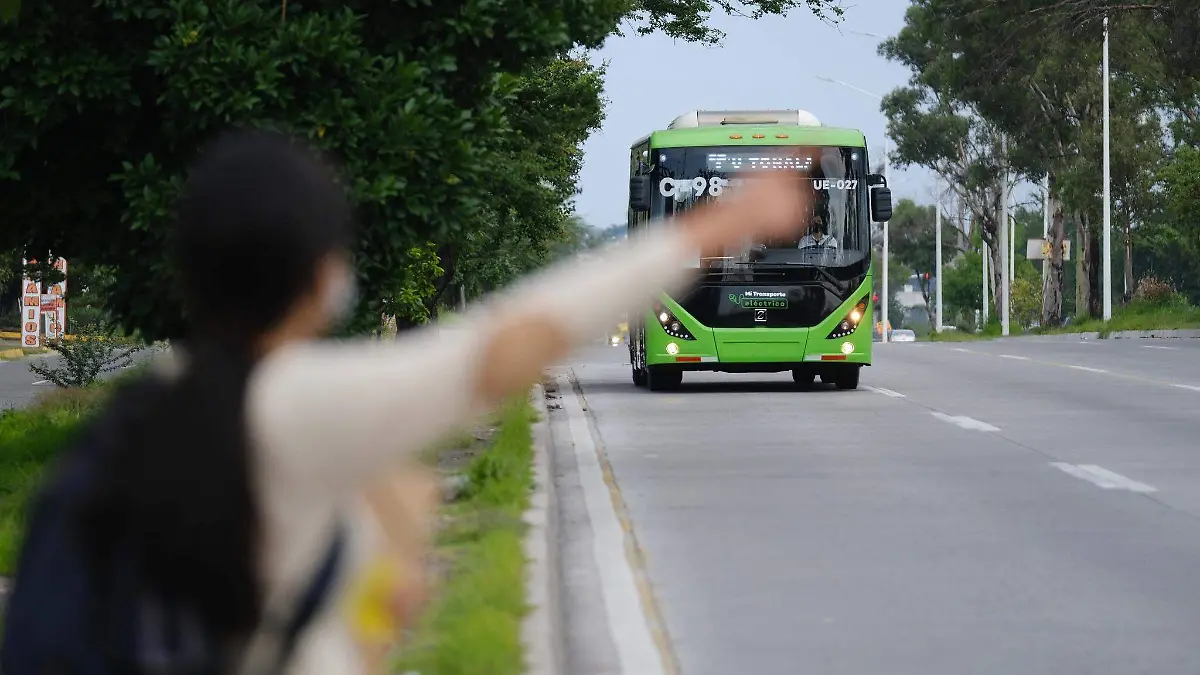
[(838, 229)]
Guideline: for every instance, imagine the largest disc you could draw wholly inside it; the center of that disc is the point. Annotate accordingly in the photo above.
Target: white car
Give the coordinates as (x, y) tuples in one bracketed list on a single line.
[(903, 335)]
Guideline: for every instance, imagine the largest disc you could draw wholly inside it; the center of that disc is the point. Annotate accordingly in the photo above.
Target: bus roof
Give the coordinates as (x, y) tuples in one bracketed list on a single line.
[(771, 135), (774, 135)]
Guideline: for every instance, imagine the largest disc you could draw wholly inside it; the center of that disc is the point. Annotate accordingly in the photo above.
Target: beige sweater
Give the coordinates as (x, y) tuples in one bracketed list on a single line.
[(328, 418)]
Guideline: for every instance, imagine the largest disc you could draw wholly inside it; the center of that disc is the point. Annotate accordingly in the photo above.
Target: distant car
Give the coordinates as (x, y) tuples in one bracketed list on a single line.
[(903, 335)]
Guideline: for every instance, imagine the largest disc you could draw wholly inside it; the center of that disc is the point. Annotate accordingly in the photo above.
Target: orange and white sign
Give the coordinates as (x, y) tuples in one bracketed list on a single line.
[(54, 304), (31, 310)]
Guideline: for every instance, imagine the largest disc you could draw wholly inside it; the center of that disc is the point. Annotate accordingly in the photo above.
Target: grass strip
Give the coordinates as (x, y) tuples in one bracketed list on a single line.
[(473, 625)]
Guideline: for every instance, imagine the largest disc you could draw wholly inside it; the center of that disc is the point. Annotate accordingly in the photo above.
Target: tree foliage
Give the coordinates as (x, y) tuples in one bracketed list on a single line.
[(1028, 71), (410, 100), (456, 125), (688, 19), (913, 242)]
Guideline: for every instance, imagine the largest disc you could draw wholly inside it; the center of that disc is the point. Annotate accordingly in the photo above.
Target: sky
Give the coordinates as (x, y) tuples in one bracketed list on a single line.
[(771, 63)]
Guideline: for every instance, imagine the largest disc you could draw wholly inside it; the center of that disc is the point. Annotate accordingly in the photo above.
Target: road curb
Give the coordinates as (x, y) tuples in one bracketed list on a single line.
[(541, 629), (1165, 334), (1155, 334)]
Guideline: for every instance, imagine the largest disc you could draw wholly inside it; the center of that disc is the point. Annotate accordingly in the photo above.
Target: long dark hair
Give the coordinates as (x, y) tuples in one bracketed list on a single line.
[(257, 216)]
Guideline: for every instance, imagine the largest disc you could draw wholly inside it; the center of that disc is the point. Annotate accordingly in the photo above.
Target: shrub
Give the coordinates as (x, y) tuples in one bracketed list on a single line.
[(1026, 298), (94, 351), (1155, 292)]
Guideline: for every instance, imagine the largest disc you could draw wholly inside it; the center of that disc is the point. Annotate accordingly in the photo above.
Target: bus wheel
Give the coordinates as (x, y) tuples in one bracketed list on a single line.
[(803, 376), (639, 375), (847, 378), (637, 361), (664, 378)]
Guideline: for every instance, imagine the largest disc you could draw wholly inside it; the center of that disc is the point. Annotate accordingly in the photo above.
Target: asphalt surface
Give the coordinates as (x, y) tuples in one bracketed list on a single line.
[(19, 386), (1001, 508)]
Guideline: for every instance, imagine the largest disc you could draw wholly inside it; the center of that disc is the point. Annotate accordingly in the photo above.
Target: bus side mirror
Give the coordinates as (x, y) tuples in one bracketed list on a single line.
[(639, 193), (881, 204)]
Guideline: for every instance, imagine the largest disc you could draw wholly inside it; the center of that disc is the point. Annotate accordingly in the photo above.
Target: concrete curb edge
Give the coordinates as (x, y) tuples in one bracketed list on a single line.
[(1165, 334), (541, 629)]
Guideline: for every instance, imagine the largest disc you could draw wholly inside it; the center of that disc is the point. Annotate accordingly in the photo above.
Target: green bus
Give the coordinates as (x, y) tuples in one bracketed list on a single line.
[(771, 306)]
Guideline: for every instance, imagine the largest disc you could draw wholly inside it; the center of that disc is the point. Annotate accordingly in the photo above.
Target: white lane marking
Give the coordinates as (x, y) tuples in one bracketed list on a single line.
[(965, 351), (627, 619), (1158, 347), (1103, 478), (42, 382), (964, 422), (886, 392), (1189, 387), (1085, 368), (1014, 357)]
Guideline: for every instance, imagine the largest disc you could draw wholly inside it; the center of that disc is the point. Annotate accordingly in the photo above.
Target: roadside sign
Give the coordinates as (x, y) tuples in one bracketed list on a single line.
[(1039, 249), (31, 310), (43, 313)]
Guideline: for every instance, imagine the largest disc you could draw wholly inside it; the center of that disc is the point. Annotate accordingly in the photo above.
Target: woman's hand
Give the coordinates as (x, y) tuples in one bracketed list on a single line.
[(767, 205)]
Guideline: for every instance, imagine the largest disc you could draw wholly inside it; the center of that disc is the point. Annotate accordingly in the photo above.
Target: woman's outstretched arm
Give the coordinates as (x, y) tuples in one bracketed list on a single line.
[(333, 412)]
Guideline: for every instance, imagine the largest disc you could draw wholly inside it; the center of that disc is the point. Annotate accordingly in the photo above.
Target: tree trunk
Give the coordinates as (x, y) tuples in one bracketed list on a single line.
[(1052, 285), (1080, 277), (1129, 287), (999, 267), (448, 256), (1090, 261)]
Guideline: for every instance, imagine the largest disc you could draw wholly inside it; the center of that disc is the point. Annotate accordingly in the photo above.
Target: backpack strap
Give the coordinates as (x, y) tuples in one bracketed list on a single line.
[(270, 649), (312, 600)]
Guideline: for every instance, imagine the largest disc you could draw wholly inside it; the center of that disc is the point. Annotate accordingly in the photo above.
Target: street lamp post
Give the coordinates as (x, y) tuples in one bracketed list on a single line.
[(887, 170), (1003, 238), (1107, 192), (937, 224)]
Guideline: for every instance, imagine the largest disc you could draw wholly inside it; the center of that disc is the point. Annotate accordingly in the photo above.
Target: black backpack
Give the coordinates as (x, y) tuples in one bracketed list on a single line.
[(65, 618)]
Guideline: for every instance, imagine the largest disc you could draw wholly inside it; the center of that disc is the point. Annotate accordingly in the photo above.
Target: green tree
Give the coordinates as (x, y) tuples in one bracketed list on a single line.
[(1029, 71), (961, 287), (913, 242), (688, 19), (933, 131), (9, 10), (1172, 242), (410, 100), (455, 123), (1026, 297), (1181, 194), (556, 106)]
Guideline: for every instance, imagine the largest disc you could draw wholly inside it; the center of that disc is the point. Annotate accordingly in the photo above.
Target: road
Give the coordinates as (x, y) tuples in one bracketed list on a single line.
[(20, 387), (987, 508)]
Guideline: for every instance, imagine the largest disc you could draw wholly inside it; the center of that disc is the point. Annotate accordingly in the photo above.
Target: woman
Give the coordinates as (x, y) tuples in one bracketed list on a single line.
[(230, 476)]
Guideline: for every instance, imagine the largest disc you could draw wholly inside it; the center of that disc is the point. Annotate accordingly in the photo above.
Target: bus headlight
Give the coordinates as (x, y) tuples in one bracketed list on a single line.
[(670, 324), (849, 323)]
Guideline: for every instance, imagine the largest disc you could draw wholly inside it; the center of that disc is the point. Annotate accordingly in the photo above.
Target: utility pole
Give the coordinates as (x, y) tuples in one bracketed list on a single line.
[(1003, 238), (887, 178)]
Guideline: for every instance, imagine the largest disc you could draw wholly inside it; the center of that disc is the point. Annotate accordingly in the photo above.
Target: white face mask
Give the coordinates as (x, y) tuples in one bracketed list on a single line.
[(341, 297)]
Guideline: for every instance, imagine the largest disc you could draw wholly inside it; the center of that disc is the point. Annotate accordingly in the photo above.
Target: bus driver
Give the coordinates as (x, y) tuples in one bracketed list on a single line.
[(817, 236)]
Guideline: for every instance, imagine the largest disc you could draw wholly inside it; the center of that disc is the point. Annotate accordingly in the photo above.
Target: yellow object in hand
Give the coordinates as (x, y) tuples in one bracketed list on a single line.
[(371, 601)]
